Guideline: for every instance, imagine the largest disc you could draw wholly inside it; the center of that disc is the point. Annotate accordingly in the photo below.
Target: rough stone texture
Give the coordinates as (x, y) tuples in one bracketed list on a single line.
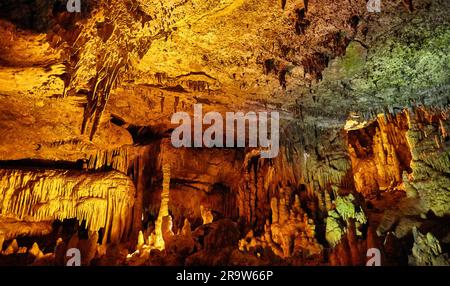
[(431, 161), (427, 251), (338, 219), (363, 100), (380, 153), (103, 200)]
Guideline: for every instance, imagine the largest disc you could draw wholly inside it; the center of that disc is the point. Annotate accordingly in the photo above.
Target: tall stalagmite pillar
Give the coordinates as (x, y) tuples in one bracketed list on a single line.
[(140, 167), (164, 208)]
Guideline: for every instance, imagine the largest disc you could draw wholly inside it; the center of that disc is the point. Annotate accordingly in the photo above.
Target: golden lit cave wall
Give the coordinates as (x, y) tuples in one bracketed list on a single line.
[(410, 148), (104, 199), (251, 181), (379, 154)]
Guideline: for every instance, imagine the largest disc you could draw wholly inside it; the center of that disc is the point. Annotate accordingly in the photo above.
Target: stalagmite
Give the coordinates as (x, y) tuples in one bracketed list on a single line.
[(164, 208), (206, 214), (290, 232), (88, 248), (73, 241), (2, 240), (186, 230), (328, 202), (141, 240), (60, 252), (12, 248), (22, 250), (283, 210), (35, 251), (166, 230), (274, 207), (334, 230)]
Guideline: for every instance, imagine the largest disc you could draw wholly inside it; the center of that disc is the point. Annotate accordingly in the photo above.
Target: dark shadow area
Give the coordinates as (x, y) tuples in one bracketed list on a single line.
[(142, 135), (39, 15), (28, 164)]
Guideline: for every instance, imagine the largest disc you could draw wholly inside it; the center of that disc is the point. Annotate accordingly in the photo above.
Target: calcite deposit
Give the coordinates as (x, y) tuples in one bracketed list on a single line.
[(38, 196), (87, 161)]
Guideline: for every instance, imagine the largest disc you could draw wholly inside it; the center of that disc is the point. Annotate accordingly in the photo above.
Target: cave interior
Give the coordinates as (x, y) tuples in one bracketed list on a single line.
[(87, 159)]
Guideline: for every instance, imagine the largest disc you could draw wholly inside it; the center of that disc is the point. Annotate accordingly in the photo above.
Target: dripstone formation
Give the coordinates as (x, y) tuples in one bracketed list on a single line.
[(87, 162)]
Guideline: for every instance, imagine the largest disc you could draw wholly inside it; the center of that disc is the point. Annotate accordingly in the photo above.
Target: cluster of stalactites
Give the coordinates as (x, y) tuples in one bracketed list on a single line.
[(102, 200), (117, 159), (293, 168), (379, 164)]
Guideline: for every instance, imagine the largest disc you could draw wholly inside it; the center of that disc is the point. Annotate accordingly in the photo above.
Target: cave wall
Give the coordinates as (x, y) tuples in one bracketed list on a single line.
[(380, 153)]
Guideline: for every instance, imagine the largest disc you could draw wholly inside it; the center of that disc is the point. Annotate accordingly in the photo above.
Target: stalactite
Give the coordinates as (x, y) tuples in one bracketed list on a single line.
[(104, 57), (112, 70), (380, 153), (103, 200), (117, 159)]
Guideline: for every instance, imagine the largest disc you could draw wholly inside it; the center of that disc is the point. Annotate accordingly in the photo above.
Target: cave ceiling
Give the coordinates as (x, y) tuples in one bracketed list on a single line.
[(226, 55)]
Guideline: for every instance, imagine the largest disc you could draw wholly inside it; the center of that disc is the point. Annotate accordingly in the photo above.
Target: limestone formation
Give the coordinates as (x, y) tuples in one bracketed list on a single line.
[(291, 232), (161, 225), (35, 251), (12, 248), (427, 251), (86, 121), (206, 214), (338, 220), (49, 195)]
